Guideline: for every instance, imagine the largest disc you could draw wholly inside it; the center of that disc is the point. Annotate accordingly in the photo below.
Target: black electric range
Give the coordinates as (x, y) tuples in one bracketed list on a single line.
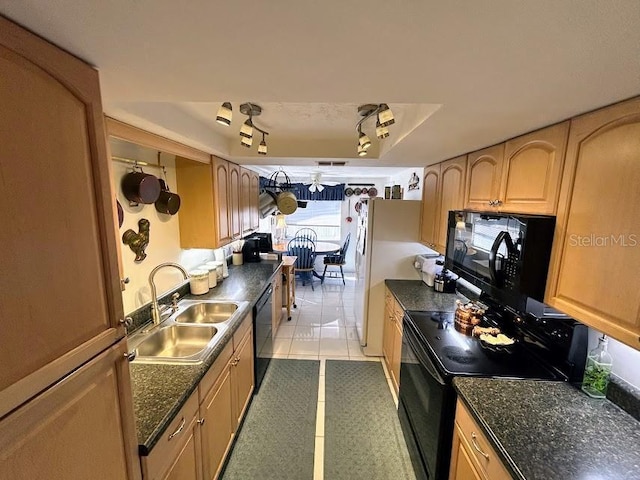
[(433, 353)]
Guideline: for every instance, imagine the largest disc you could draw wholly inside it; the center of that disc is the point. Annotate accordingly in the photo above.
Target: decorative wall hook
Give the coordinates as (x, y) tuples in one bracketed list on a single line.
[(138, 242)]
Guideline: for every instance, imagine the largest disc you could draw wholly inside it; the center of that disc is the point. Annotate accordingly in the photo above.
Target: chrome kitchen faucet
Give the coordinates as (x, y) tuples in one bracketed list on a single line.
[(155, 311)]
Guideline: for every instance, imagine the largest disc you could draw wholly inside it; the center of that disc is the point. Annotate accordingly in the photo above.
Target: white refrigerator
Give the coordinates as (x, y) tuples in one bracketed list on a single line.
[(387, 242)]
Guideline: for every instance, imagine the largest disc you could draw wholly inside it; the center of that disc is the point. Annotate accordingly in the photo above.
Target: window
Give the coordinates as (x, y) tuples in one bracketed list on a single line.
[(322, 216)]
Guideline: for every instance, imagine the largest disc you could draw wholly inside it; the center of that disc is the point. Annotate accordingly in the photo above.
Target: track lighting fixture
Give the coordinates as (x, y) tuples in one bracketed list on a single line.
[(246, 130), (384, 118), (224, 114)]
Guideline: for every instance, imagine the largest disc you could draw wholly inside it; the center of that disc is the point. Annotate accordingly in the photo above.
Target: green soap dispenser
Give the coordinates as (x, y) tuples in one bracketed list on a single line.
[(597, 370)]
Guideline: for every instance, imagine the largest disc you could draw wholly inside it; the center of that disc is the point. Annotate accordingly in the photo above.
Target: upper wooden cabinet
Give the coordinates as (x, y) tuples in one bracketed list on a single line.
[(249, 191), (484, 175), (57, 218), (532, 171), (521, 175), (430, 206), (235, 204), (452, 183), (596, 250)]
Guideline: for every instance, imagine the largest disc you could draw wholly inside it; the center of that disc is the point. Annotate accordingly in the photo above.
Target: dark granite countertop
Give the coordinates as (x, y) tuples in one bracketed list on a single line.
[(416, 295), (551, 430), (160, 390)]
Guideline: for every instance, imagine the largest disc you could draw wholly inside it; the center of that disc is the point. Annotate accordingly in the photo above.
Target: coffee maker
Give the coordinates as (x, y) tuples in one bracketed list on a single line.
[(251, 250)]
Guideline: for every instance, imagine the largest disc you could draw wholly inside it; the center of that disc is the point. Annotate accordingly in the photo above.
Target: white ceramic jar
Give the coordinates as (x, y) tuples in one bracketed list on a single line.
[(213, 277), (199, 282), (219, 271)]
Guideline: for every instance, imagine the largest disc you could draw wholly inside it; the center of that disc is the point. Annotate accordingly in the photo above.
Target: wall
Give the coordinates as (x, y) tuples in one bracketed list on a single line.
[(626, 360), (402, 179), (164, 234)]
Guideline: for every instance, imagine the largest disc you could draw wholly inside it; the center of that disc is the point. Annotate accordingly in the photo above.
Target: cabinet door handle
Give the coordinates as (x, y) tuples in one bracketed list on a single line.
[(178, 430), (127, 321), (476, 446), (201, 421), (131, 356)]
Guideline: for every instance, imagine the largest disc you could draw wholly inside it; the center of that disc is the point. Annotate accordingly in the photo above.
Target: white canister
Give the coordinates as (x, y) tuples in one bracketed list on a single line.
[(213, 277), (219, 271), (199, 282), (237, 258)]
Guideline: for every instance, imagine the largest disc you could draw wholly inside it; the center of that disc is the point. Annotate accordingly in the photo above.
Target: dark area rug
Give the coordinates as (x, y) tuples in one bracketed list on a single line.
[(277, 439), (363, 438)]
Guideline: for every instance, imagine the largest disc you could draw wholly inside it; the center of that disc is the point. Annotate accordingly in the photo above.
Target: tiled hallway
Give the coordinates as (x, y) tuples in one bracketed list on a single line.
[(323, 325)]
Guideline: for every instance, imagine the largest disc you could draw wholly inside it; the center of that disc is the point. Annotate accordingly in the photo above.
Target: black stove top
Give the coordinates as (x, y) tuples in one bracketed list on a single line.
[(459, 354)]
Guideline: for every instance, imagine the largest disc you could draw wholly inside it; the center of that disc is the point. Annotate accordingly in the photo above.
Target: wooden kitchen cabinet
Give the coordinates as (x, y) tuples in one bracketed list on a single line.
[(254, 200), (430, 206), (249, 192), (77, 428), (392, 338), (472, 456), (219, 202), (595, 260), (451, 196), (484, 175), (57, 218), (217, 424), (242, 376), (176, 456), (532, 171)]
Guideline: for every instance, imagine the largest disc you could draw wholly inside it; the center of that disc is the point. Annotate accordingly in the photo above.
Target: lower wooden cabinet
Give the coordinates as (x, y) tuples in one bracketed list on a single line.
[(392, 338), (196, 443), (81, 427), (472, 457)]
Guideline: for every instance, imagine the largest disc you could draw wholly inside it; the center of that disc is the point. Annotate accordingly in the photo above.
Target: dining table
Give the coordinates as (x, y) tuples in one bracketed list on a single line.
[(322, 248)]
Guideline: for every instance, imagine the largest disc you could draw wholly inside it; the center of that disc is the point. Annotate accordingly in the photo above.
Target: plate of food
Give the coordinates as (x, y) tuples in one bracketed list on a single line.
[(497, 344)]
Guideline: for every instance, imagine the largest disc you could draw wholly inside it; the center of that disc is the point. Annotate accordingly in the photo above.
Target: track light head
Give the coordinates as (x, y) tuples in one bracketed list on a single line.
[(363, 140), (361, 151), (385, 115), (246, 130), (224, 114), (262, 148), (246, 141), (381, 132)]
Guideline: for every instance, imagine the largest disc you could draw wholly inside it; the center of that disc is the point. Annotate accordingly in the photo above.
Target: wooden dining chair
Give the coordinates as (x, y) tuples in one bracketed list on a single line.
[(337, 260), (305, 250), (309, 233)]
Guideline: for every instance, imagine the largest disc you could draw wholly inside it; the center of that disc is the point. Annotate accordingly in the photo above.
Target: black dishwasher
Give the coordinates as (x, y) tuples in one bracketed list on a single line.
[(262, 338)]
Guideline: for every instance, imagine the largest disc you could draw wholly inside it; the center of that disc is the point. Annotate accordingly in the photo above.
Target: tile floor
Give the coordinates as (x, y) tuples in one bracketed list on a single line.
[(321, 328), (323, 325)]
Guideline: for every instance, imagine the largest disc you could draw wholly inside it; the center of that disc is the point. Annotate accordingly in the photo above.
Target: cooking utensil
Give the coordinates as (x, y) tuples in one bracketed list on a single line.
[(365, 191), (287, 202), (140, 187), (358, 207), (349, 219), (373, 192), (167, 202), (348, 191), (120, 213), (267, 203), (358, 191)]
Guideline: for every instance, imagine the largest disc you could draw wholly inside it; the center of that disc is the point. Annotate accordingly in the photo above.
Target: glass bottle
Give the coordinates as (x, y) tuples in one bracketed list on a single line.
[(597, 370)]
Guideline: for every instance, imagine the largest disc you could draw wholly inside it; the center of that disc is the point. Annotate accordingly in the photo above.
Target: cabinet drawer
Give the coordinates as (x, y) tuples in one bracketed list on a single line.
[(242, 330), (211, 377), (477, 443), (164, 454)]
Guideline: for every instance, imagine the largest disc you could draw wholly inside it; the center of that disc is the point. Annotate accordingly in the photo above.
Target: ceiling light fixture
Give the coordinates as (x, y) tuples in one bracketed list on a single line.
[(384, 118), (224, 114), (246, 130)]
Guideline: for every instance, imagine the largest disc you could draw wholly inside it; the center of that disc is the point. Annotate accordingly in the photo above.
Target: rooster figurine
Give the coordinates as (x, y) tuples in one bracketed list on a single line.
[(138, 242)]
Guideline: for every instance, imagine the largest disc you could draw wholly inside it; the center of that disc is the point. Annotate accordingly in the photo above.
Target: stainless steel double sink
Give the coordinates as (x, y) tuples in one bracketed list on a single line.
[(188, 334)]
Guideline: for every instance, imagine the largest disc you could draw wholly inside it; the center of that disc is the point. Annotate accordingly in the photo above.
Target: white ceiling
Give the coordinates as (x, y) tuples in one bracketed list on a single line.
[(496, 68)]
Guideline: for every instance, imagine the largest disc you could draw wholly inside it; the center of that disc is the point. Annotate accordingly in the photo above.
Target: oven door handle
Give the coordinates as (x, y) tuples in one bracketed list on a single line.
[(422, 356)]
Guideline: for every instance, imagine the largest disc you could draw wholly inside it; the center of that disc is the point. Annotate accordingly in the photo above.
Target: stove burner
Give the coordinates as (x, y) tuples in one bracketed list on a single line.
[(459, 355)]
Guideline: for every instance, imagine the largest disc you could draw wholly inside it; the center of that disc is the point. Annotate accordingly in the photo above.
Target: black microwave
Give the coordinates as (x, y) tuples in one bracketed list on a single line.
[(505, 255)]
